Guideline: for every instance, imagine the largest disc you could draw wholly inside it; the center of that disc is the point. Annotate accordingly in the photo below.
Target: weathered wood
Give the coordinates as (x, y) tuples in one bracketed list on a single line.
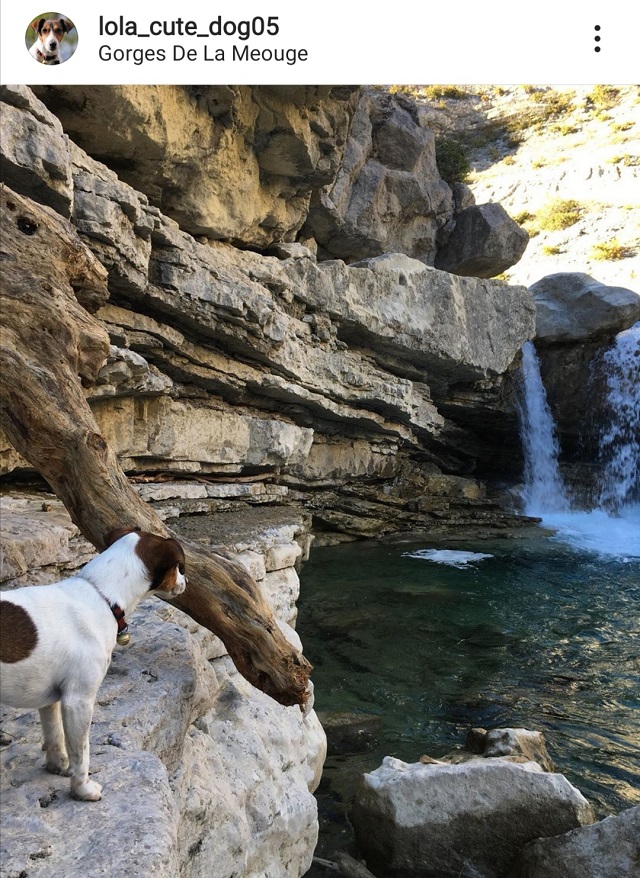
[(50, 347)]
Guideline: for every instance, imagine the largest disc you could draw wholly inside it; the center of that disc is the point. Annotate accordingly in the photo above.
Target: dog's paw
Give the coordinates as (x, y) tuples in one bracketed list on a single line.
[(87, 792), (55, 767), (57, 762)]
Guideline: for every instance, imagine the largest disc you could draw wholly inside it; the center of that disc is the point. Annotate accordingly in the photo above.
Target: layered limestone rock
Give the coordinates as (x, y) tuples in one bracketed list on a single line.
[(360, 380), (215, 776), (229, 162)]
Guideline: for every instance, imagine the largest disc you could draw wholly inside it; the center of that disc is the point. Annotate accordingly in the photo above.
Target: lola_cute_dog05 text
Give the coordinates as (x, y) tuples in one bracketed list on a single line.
[(56, 641)]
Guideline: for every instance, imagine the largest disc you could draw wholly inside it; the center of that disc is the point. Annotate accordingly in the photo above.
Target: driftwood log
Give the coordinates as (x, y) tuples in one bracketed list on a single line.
[(52, 346)]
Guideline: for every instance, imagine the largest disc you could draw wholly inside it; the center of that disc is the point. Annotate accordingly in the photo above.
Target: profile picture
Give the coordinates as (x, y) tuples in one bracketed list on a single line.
[(51, 38)]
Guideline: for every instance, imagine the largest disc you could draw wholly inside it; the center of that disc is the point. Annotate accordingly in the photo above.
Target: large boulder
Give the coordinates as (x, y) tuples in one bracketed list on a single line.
[(572, 307), (436, 819), (484, 242), (388, 195), (577, 319), (237, 163), (608, 849)]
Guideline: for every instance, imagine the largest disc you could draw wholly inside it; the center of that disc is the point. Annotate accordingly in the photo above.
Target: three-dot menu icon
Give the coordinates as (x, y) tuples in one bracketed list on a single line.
[(597, 37)]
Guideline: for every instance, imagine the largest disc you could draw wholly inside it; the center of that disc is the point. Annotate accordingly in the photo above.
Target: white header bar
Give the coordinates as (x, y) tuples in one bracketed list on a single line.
[(331, 42)]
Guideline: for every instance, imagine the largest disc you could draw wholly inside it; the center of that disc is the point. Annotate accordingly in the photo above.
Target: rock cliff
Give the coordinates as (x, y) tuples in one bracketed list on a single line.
[(215, 777), (352, 386), (274, 361)]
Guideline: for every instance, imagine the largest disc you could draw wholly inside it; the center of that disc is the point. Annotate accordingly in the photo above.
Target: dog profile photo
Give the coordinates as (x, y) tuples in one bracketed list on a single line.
[(51, 38)]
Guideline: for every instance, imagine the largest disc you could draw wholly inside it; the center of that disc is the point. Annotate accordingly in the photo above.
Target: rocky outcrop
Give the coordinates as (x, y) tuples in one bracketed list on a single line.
[(610, 847), (484, 243), (229, 162), (352, 171), (380, 375), (388, 195), (577, 319), (215, 776), (434, 818), (573, 307)]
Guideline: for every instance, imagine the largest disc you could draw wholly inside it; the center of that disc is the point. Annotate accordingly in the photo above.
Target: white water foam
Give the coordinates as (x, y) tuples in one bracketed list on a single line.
[(614, 536), (450, 557)]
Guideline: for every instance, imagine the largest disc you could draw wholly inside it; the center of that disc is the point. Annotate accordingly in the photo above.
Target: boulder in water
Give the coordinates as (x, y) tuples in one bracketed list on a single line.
[(472, 818), (608, 848)]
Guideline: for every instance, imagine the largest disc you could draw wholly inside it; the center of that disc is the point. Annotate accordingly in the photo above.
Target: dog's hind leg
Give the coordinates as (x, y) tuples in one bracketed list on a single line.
[(76, 718), (57, 761)]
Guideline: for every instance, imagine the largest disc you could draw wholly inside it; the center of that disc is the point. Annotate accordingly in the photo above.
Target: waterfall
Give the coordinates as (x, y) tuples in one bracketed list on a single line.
[(544, 490), (620, 440), (614, 528)]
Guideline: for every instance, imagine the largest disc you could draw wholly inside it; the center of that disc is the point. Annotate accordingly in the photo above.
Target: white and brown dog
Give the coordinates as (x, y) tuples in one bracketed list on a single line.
[(56, 641), (49, 34)]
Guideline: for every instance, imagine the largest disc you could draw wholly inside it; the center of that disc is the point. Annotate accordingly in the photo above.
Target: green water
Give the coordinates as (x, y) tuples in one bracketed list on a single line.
[(539, 636)]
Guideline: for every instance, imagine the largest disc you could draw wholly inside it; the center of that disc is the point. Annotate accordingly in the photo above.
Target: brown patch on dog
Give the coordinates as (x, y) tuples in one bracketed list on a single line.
[(18, 634), (59, 26), (162, 557), (113, 535)]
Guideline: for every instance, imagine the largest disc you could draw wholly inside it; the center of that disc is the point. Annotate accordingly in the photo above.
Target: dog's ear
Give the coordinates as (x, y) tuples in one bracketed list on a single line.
[(113, 535), (67, 24), (36, 24)]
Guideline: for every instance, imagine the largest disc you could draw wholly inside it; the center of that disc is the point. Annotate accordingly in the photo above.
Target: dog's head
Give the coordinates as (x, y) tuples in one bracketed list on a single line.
[(163, 558), (51, 31)]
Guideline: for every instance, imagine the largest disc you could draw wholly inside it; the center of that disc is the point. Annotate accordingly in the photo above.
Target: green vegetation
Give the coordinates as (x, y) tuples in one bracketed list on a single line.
[(452, 160), (523, 217), (629, 161), (545, 106), (611, 251), (549, 250), (604, 97), (437, 93), (559, 214), (444, 92), (623, 126)]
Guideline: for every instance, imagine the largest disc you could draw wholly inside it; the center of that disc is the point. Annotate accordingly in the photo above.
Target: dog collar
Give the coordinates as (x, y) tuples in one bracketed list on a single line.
[(123, 637), (47, 59)]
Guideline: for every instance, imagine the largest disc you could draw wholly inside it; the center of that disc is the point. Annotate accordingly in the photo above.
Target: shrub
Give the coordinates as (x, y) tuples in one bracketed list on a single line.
[(523, 217), (603, 96), (446, 92), (550, 250), (451, 159), (559, 214), (629, 161), (610, 251)]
